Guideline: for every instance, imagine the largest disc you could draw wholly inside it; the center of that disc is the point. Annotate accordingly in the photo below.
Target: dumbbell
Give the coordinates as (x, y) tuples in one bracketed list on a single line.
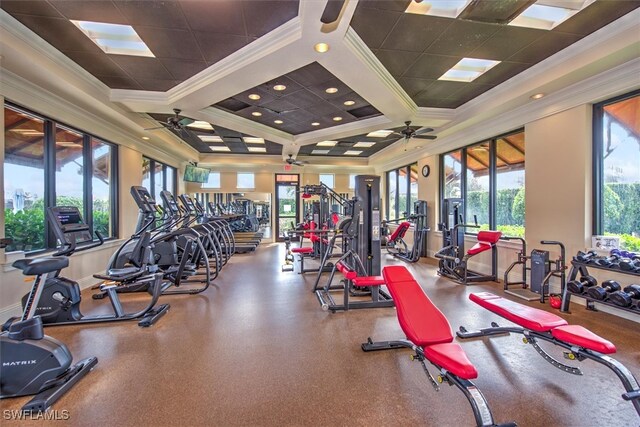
[(585, 256), (600, 292), (625, 298), (581, 286), (632, 264), (610, 261)]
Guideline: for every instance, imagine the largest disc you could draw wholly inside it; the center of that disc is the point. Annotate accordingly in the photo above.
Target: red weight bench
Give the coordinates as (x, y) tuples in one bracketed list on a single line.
[(429, 334), (536, 324)]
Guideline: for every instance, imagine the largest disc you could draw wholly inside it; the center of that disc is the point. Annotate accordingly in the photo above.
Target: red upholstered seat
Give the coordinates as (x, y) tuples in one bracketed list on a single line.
[(346, 271), (305, 250), (525, 316), (368, 281), (479, 247), (451, 357), (421, 321), (582, 337), (489, 236), (400, 231)]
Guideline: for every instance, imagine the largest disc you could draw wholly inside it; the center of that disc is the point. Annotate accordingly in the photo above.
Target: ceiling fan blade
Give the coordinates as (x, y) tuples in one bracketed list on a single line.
[(159, 127), (185, 121), (423, 130), (424, 136)]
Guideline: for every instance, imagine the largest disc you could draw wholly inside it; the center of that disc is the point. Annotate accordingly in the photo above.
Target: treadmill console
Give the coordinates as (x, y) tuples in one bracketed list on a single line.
[(143, 199), (170, 202)]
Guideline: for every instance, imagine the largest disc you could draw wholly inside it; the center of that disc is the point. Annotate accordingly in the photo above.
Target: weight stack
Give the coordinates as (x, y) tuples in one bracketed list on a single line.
[(539, 270)]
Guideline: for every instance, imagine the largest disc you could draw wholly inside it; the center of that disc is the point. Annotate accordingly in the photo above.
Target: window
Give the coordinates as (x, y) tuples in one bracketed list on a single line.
[(402, 191), (158, 177), (245, 180), (352, 181), (327, 179), (213, 181), (492, 184), (50, 164), (617, 169)]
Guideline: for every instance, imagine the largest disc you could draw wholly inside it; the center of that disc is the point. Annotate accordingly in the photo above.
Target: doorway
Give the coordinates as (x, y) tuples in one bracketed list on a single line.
[(287, 206)]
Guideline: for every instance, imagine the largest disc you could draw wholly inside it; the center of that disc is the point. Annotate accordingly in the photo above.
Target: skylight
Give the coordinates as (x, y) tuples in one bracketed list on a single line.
[(210, 138), (352, 152), (364, 144), (379, 133), (320, 152), (257, 149), (468, 69), (548, 14), (253, 140), (114, 38), (219, 148), (199, 124), (445, 8), (326, 143)]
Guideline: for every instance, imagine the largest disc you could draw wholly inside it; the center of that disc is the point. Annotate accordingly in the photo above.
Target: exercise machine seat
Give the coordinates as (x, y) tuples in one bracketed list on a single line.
[(525, 316), (486, 240), (577, 335), (348, 273), (479, 247), (453, 358), (368, 281), (37, 266), (304, 250), (422, 322), (400, 231)]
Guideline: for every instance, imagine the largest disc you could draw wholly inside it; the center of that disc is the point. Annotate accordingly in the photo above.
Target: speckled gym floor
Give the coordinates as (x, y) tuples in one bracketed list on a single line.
[(256, 349)]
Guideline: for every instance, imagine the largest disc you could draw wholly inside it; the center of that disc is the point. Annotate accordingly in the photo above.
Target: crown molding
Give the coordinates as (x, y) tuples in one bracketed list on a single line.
[(345, 130)]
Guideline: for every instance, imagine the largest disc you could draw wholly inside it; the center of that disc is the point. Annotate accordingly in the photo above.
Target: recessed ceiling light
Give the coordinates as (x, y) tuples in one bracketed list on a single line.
[(349, 103), (253, 140), (315, 124), (321, 47), (468, 69), (256, 114), (219, 148), (146, 138), (537, 96), (254, 96), (257, 149), (379, 133), (352, 153), (279, 87), (331, 90), (278, 122), (320, 151), (337, 119), (199, 124), (546, 15), (114, 38), (447, 9), (364, 144), (326, 143), (210, 138)]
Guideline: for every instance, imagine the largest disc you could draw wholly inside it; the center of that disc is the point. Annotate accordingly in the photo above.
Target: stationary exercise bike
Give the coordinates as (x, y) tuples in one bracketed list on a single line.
[(33, 363)]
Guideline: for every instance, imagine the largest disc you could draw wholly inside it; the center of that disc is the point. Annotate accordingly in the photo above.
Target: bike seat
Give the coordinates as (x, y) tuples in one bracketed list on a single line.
[(37, 266)]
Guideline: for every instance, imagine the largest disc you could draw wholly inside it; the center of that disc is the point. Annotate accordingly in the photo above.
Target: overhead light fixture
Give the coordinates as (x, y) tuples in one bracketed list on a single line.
[(446, 9), (349, 103), (548, 14), (114, 38), (326, 143), (257, 149), (331, 90), (468, 69), (337, 119), (199, 124), (315, 124), (278, 122), (537, 96), (210, 138), (256, 114), (219, 148), (279, 88), (363, 144), (379, 133), (146, 138), (254, 96), (253, 140), (320, 151), (352, 153), (321, 47)]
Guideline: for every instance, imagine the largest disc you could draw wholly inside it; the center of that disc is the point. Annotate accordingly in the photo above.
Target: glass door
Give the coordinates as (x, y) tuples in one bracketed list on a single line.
[(286, 206)]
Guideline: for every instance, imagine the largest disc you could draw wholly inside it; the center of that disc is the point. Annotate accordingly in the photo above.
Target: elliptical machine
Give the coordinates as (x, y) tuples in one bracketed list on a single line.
[(33, 363)]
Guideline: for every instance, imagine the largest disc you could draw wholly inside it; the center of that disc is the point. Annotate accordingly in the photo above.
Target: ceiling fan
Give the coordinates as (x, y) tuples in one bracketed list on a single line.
[(408, 133), (175, 122), (295, 162)]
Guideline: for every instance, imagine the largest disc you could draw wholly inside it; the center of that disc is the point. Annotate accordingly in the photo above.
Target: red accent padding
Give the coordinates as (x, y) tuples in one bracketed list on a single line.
[(489, 236), (421, 321), (400, 231), (368, 281), (305, 250), (335, 218), (525, 316), (451, 357), (348, 273), (479, 247), (582, 337)]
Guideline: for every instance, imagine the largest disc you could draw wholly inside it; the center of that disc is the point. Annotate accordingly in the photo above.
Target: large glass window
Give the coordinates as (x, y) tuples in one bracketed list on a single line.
[(245, 180), (392, 194), (352, 181), (156, 177), (213, 181), (413, 184), (327, 179), (617, 169), (492, 185), (402, 191), (81, 170)]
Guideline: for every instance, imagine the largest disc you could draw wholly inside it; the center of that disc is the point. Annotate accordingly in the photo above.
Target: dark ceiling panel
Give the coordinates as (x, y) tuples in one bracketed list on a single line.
[(94, 10), (159, 14), (170, 43), (120, 82), (544, 47), (221, 16), (392, 5), (373, 25), (501, 72), (495, 12), (442, 89), (232, 104), (461, 37), (143, 67), (96, 63), (264, 16), (182, 70), (59, 32), (310, 75), (396, 61), (27, 7), (507, 41), (410, 33), (215, 46), (430, 66), (596, 16), (414, 86)]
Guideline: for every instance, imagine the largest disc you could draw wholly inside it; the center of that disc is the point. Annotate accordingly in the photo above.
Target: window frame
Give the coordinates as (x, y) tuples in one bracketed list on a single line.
[(152, 177), (333, 179), (253, 177), (406, 191), (204, 184), (49, 176)]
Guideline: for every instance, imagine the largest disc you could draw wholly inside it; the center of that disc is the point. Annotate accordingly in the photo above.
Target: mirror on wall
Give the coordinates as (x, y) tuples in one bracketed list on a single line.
[(252, 204)]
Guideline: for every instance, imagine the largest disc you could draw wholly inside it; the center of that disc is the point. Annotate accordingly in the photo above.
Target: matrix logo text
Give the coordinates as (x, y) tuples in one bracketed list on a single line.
[(53, 415)]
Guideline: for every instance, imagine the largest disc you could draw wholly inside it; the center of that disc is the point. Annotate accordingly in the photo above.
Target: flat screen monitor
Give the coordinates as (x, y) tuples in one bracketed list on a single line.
[(196, 174)]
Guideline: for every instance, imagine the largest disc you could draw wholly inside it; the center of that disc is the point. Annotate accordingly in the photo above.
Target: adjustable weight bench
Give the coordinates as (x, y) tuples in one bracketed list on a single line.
[(535, 324), (429, 335)]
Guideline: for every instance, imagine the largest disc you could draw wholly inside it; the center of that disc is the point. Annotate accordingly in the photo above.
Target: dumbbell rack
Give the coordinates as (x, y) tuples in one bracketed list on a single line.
[(582, 268)]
